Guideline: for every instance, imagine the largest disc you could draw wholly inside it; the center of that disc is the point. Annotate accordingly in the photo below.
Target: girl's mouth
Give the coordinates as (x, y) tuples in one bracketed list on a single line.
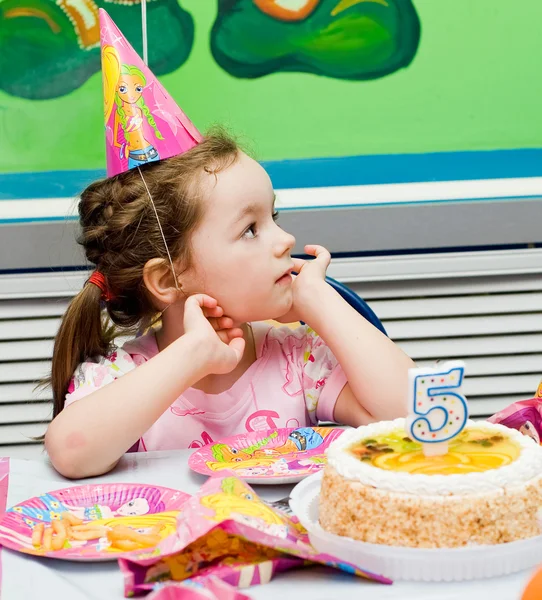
[(286, 279)]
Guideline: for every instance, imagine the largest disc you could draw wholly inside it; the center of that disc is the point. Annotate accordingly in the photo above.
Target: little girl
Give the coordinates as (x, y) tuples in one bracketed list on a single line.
[(213, 369), (193, 238)]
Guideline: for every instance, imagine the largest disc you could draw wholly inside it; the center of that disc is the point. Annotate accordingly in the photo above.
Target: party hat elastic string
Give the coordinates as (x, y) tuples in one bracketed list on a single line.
[(144, 31), (161, 230)]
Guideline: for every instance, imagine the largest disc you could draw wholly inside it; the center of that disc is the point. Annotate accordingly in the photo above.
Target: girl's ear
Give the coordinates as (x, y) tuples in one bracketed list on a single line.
[(159, 281)]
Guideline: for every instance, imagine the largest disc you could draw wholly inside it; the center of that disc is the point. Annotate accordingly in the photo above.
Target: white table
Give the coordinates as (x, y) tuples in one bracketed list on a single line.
[(26, 577)]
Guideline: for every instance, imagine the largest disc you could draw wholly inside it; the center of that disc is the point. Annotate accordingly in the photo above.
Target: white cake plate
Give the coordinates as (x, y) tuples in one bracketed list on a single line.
[(412, 564)]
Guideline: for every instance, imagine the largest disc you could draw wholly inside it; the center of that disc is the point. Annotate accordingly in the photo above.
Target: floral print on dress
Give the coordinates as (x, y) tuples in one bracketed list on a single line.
[(91, 375), (309, 364)]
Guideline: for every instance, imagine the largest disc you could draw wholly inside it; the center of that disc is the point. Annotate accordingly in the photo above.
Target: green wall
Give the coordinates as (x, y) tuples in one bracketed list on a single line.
[(475, 83)]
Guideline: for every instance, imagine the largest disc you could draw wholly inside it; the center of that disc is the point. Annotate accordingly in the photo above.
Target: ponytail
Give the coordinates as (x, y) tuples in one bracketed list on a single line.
[(82, 335)]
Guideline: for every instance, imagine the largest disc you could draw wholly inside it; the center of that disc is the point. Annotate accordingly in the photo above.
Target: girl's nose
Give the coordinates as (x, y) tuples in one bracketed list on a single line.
[(286, 243)]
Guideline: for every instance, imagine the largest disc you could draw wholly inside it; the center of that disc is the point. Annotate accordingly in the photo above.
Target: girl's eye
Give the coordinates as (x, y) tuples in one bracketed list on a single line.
[(275, 215), (123, 89), (139, 89), (250, 232)]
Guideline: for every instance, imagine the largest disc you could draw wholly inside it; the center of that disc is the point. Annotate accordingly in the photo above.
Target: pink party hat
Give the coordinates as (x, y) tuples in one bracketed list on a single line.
[(142, 122)]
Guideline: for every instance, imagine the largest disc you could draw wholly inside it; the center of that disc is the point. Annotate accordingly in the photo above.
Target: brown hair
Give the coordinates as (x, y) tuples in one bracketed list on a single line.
[(120, 233)]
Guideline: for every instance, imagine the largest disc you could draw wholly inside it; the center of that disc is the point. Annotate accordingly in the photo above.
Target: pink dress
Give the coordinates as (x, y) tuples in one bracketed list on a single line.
[(294, 382)]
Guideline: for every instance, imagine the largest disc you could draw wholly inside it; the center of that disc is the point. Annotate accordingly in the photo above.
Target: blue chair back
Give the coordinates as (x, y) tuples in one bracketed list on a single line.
[(357, 303)]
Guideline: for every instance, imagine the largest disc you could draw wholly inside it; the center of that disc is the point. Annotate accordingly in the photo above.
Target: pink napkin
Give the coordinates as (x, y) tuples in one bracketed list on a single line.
[(210, 588), (525, 416)]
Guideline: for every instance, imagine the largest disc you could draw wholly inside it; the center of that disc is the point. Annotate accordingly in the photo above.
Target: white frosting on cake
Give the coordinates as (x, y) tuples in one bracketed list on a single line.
[(525, 468)]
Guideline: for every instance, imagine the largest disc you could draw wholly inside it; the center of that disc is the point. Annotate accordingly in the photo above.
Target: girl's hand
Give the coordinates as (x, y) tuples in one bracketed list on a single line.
[(310, 275), (220, 343)]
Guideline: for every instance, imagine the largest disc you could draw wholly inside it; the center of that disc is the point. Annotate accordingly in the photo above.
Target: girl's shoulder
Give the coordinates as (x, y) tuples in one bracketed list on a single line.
[(124, 358), (143, 347), (101, 370)]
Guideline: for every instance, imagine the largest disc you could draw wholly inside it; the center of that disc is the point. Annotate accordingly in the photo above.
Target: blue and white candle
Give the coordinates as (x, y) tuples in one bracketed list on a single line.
[(437, 411)]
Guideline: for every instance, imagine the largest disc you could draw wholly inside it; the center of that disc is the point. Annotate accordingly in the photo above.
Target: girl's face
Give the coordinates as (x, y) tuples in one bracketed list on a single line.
[(252, 471), (137, 506), (241, 256), (130, 88)]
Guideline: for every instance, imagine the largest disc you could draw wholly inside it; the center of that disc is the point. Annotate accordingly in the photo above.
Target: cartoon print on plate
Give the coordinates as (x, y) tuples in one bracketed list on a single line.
[(93, 512), (285, 454)]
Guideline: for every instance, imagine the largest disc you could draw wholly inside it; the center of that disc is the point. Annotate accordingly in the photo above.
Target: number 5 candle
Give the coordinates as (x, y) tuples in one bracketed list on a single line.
[(437, 411)]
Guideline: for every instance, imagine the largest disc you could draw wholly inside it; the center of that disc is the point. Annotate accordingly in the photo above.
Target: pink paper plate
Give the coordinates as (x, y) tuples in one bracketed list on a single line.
[(273, 456), (134, 505)]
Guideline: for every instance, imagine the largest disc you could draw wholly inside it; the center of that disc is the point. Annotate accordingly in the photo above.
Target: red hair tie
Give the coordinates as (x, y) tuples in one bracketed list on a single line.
[(97, 278)]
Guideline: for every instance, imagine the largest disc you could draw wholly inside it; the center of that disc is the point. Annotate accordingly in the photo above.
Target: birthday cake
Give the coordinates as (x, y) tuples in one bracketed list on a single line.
[(380, 487)]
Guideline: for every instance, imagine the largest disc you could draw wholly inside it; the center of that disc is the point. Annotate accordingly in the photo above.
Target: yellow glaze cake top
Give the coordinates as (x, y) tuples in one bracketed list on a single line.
[(473, 450)]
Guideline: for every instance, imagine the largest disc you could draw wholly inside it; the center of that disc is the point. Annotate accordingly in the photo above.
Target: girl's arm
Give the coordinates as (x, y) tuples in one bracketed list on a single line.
[(89, 437), (376, 369)]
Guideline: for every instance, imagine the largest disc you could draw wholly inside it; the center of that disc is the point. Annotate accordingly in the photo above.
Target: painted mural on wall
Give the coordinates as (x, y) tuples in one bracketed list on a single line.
[(50, 48), (344, 39)]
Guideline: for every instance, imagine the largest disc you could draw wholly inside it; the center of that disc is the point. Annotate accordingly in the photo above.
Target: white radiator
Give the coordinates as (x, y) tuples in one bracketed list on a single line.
[(483, 307)]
